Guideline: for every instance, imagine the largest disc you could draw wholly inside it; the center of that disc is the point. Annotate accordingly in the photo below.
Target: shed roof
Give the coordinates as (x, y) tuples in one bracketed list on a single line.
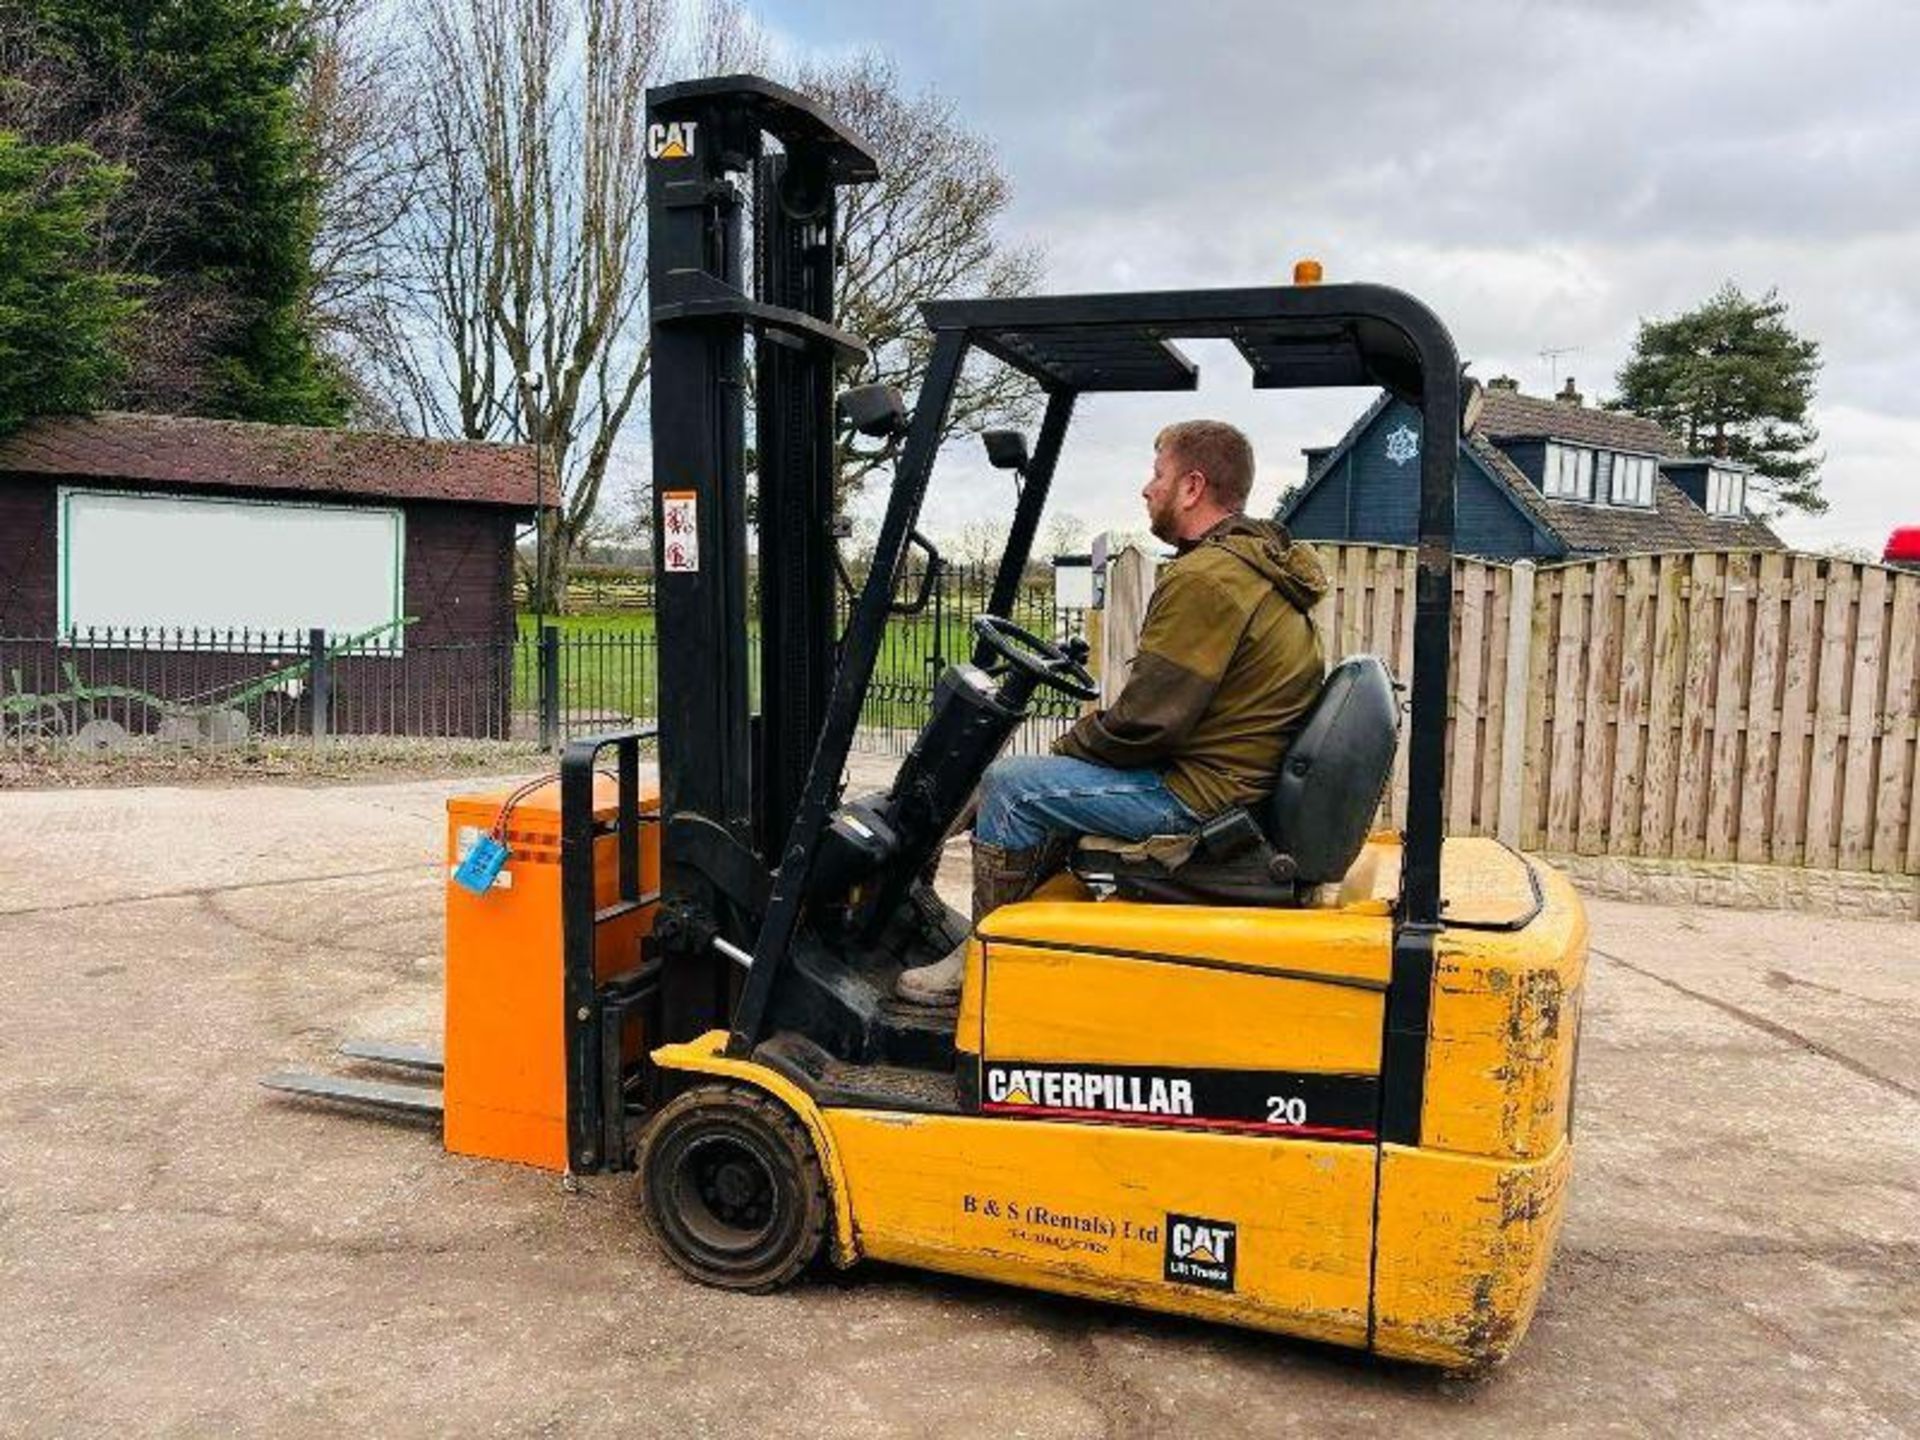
[(176, 450)]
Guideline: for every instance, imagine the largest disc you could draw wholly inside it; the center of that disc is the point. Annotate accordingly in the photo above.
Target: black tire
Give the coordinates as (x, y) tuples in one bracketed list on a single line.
[(732, 1188)]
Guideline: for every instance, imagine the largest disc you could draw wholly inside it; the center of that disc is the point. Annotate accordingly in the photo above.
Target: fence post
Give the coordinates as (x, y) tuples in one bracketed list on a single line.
[(319, 681), (1129, 588), (549, 686), (1513, 710)]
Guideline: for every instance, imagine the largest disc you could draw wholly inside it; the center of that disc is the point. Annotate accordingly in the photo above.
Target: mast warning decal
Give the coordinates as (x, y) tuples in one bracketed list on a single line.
[(680, 532)]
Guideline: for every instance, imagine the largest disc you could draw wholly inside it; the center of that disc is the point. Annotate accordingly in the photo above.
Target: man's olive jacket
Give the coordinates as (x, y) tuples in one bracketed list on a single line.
[(1229, 664)]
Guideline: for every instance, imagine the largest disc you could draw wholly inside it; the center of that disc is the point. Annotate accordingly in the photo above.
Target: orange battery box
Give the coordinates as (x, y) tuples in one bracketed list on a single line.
[(505, 1084)]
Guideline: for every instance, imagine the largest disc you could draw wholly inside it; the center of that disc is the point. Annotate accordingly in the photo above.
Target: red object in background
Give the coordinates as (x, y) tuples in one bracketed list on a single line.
[(1903, 547)]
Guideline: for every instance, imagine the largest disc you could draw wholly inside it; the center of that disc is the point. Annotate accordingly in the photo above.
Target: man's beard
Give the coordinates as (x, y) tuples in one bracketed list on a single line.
[(1164, 523)]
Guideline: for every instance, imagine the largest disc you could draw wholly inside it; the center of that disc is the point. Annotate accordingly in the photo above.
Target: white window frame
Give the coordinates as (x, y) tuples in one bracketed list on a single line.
[(1640, 472), (1567, 473), (224, 633), (1726, 493)]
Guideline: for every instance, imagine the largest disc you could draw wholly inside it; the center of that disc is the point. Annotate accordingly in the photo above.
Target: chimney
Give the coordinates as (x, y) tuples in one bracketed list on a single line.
[(1568, 395), (1504, 383)]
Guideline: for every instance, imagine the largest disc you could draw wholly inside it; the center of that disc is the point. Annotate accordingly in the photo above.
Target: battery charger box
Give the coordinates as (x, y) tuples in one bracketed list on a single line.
[(505, 1083)]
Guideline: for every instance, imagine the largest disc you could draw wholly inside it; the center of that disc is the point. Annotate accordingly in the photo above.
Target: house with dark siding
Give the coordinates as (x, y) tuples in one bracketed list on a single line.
[(124, 533), (1538, 479)]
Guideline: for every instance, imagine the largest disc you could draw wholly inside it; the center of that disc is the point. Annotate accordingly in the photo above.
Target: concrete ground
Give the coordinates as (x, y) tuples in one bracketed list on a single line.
[(181, 1252)]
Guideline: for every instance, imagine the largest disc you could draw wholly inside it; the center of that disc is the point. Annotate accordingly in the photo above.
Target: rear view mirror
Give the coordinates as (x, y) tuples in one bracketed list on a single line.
[(876, 411), (1006, 449)]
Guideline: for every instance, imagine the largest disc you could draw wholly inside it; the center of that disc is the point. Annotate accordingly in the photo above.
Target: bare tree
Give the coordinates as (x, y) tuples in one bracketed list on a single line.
[(1066, 534), (512, 280), (514, 285), (358, 116), (723, 38), (511, 285), (979, 542), (925, 229)]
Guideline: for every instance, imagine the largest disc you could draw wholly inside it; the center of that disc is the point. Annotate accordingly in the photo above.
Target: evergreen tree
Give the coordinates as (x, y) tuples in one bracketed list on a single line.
[(1734, 381), (222, 206), (60, 316)]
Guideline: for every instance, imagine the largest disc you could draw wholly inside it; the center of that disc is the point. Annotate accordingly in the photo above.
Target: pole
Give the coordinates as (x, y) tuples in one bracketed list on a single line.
[(539, 538), (549, 681), (319, 681), (536, 422)]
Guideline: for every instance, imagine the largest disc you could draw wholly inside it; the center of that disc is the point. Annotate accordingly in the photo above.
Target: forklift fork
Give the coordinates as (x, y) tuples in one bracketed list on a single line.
[(402, 1100)]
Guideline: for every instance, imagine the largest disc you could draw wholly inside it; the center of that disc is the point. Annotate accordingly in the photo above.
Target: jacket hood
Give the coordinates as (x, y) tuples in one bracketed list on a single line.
[(1289, 566)]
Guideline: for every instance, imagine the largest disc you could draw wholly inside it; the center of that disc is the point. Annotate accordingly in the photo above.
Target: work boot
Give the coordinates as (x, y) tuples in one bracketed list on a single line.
[(1000, 877)]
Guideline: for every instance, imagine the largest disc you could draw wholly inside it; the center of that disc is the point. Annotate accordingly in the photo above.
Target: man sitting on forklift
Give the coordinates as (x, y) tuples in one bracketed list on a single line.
[(1229, 665)]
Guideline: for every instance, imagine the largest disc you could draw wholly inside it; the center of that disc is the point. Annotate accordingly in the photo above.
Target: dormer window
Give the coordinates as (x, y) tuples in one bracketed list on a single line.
[(1629, 479), (1726, 493), (1602, 477), (1568, 474)]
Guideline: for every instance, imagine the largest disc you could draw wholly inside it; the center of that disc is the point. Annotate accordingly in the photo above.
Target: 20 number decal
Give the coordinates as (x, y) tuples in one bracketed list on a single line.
[(1286, 1110)]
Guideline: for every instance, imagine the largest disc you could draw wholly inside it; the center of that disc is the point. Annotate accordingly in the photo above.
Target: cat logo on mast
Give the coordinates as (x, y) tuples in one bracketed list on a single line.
[(671, 142)]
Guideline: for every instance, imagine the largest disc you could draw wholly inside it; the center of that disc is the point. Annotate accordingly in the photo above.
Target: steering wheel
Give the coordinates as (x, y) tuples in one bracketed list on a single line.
[(1043, 660)]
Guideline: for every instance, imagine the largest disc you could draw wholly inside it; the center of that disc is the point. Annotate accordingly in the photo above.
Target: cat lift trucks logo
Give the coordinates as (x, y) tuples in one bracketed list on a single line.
[(671, 142), (1201, 1252)]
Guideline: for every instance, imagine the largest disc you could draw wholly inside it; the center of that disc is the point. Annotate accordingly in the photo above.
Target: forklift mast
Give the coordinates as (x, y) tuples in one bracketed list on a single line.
[(730, 784)]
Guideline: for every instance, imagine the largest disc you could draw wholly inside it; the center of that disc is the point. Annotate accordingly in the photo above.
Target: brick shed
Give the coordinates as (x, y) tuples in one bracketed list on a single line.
[(114, 522)]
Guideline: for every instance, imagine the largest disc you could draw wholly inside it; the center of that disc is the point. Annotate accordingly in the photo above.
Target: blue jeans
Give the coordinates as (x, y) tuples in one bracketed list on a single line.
[(1027, 799)]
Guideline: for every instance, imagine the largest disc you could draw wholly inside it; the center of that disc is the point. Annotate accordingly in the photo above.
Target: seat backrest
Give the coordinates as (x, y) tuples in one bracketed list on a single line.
[(1336, 770)]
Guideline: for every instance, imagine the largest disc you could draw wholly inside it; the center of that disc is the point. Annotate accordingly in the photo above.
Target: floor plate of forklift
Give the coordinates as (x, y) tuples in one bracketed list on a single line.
[(183, 1252), (864, 1087)]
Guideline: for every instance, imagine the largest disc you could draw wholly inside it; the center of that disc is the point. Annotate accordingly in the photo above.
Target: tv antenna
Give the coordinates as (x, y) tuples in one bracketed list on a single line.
[(1552, 357)]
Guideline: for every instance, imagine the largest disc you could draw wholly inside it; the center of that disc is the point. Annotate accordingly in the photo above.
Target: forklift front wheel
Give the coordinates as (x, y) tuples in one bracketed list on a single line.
[(733, 1189)]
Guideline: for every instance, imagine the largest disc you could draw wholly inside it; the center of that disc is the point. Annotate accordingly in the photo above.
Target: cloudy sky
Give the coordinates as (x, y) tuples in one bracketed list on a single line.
[(1542, 174)]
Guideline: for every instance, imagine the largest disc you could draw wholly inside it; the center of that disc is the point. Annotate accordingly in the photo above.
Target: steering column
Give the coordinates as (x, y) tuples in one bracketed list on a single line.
[(875, 848)]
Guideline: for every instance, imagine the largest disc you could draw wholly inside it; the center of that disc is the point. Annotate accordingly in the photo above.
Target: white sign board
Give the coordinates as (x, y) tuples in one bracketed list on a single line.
[(132, 561), (1072, 583)]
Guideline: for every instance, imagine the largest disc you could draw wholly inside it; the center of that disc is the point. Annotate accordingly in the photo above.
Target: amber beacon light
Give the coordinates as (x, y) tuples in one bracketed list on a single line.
[(1306, 272)]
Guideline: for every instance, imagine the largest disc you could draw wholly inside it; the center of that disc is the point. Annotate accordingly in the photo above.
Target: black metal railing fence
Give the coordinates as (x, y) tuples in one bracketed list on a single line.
[(127, 689)]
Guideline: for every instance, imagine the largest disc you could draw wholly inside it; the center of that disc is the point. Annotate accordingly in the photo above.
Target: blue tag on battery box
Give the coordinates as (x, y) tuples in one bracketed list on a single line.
[(482, 865)]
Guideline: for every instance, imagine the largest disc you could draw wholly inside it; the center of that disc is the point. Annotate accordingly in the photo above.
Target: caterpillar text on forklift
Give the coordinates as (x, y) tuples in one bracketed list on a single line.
[(1292, 1075)]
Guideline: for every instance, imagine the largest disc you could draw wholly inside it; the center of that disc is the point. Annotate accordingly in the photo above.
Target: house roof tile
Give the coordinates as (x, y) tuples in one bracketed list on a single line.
[(180, 451), (1672, 523), (1509, 415)]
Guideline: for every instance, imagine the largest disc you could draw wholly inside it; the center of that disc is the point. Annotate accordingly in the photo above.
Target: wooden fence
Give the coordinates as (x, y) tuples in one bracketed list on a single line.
[(1721, 705)]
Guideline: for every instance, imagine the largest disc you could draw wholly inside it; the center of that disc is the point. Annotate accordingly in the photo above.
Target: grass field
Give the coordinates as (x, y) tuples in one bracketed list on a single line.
[(609, 664)]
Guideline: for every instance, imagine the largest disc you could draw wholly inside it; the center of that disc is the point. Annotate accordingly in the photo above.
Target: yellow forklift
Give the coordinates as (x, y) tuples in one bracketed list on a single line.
[(1304, 1078)]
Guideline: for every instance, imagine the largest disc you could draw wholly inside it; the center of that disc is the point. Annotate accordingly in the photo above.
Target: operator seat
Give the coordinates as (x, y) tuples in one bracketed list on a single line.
[(1307, 833)]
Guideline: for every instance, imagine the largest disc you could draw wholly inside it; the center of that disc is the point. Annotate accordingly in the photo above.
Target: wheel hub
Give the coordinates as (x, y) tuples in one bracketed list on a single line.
[(734, 1186)]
